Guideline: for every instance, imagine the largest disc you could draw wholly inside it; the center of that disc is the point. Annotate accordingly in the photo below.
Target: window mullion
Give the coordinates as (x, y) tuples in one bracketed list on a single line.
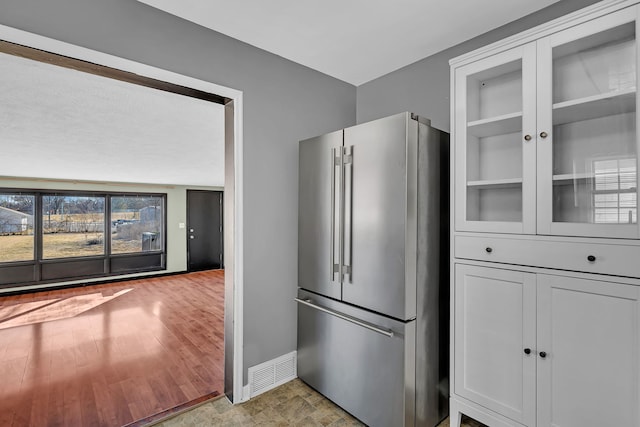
[(37, 234), (107, 233)]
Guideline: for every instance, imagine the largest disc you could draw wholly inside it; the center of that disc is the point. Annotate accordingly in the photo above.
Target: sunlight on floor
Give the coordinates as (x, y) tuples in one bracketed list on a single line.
[(54, 309)]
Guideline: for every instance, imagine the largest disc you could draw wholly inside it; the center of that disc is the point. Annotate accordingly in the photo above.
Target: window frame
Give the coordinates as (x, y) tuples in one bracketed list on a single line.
[(19, 192), (41, 270), (41, 214), (109, 238)]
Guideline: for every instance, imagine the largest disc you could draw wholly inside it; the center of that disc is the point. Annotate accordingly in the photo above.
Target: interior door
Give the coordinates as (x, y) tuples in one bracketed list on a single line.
[(376, 204), (204, 230), (319, 200)]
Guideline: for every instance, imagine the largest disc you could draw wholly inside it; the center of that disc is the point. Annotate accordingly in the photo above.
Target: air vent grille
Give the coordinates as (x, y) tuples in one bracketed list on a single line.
[(285, 370), (268, 375)]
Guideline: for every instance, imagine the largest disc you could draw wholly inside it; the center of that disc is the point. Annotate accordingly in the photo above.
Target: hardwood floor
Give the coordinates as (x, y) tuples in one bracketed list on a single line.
[(109, 355)]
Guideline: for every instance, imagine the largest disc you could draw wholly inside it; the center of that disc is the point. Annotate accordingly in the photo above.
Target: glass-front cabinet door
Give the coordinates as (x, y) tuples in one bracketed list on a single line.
[(495, 155), (587, 129)]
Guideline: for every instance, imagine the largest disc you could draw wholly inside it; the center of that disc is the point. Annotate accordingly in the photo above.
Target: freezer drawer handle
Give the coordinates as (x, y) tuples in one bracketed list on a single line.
[(347, 318)]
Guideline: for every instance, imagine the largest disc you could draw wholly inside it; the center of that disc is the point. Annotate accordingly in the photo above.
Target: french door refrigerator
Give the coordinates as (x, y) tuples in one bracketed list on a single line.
[(373, 270)]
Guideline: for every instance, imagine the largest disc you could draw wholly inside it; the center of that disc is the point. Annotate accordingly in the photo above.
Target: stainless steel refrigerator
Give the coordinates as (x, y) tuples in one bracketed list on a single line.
[(373, 270)]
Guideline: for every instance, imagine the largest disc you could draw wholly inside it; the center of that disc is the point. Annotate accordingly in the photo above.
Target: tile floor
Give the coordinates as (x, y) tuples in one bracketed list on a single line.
[(291, 404)]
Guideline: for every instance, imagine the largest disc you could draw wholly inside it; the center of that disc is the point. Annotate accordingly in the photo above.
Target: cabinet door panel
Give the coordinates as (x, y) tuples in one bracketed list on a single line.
[(494, 322), (495, 164), (590, 331), (588, 160)]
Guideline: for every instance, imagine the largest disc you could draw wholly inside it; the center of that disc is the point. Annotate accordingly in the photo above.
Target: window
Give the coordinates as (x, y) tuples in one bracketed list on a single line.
[(136, 224), (72, 226), (615, 193), (50, 236), (16, 227)]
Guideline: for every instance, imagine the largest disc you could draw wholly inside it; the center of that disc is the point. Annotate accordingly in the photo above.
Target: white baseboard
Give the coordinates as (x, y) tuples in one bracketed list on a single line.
[(246, 393)]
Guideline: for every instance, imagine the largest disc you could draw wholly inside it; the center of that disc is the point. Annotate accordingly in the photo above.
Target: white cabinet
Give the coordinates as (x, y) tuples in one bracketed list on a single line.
[(545, 134), (590, 333), (494, 323), (545, 283), (546, 350), (495, 179)]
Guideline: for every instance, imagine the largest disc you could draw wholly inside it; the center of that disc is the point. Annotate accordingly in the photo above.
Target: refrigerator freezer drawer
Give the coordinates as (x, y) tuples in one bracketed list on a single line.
[(362, 361)]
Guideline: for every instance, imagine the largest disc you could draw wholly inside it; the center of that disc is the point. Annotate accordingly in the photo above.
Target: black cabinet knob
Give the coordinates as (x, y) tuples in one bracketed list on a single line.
[(543, 354), (489, 250), (591, 258), (527, 351)]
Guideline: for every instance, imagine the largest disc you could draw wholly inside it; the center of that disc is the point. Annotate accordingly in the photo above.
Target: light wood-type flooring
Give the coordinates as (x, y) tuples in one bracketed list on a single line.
[(112, 354)]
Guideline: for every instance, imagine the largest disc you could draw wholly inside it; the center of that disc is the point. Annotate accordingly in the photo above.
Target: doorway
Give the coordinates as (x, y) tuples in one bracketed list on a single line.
[(205, 247), (45, 49)]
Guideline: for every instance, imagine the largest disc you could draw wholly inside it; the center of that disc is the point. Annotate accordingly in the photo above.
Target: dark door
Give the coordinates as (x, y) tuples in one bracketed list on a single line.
[(204, 230)]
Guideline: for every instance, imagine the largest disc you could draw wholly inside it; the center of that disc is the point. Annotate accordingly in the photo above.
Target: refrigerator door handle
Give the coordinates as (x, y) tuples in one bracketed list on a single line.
[(341, 216), (335, 161), (308, 302), (348, 206)]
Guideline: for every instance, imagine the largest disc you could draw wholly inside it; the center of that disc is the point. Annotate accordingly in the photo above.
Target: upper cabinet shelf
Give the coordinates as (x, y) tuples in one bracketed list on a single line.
[(591, 107), (569, 178), (495, 183), (500, 125), (545, 133)]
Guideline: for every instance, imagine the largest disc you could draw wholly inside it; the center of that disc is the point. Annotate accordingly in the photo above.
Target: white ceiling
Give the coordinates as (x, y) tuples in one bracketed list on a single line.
[(352, 40), (61, 123)]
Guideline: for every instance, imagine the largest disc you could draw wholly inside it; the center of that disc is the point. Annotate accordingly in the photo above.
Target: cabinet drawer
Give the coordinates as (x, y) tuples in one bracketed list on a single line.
[(619, 260)]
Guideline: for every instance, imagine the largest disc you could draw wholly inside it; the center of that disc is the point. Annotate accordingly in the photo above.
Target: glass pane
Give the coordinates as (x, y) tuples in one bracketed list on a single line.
[(72, 226), (494, 148), (594, 128), (137, 224), (495, 92), (16, 227), (595, 65), (494, 203)]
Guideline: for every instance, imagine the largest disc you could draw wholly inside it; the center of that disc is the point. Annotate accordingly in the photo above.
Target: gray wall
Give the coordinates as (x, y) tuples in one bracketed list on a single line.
[(423, 87), (283, 103)]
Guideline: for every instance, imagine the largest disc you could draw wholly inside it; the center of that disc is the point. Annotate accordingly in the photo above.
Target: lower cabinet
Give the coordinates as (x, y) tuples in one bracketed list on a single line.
[(544, 350), (589, 332)]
